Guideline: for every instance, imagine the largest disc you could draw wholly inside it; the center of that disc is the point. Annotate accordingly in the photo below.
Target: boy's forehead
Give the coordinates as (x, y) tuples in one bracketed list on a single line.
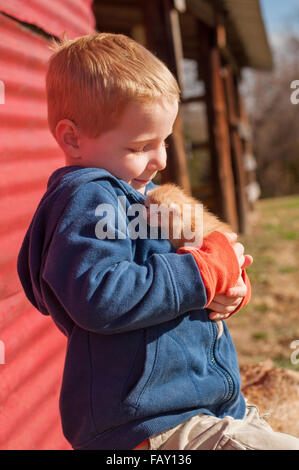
[(147, 120)]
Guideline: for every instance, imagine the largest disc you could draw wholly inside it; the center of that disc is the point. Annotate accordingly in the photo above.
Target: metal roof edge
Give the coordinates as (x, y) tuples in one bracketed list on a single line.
[(249, 25), (253, 49)]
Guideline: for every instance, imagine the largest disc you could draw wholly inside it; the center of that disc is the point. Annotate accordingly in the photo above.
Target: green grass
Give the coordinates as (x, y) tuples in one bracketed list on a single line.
[(281, 361), (280, 223), (270, 322), (288, 269), (260, 335), (261, 307)]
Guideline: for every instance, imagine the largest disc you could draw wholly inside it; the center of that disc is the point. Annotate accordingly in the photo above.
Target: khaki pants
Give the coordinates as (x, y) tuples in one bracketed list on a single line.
[(204, 432)]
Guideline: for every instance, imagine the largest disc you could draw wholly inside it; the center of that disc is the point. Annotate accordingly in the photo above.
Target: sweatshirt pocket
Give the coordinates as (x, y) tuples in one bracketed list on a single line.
[(165, 384), (142, 370)]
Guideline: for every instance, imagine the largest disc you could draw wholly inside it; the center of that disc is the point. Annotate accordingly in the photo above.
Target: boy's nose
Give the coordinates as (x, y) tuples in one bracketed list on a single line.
[(158, 160)]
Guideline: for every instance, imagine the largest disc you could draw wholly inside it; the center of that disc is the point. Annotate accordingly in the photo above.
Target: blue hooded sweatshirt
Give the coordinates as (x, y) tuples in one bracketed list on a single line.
[(142, 355)]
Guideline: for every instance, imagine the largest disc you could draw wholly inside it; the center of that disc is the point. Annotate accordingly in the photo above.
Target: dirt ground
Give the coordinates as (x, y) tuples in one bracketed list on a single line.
[(275, 391), (268, 328), (266, 332)]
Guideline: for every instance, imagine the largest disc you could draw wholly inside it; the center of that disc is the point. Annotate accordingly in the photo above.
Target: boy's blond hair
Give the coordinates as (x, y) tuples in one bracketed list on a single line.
[(92, 78)]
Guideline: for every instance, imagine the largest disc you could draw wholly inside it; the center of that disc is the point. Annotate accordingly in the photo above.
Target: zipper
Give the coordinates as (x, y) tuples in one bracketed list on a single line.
[(231, 387)]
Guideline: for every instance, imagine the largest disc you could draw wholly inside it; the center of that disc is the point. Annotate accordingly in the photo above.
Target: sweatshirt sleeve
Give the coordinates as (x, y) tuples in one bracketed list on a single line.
[(99, 284), (219, 267), (217, 262)]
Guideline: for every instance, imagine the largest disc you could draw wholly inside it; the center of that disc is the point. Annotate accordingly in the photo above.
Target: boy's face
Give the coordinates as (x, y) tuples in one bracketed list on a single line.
[(134, 150)]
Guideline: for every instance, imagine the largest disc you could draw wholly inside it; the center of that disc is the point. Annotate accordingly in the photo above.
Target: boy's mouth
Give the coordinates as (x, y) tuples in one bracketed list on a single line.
[(142, 181), (145, 181)]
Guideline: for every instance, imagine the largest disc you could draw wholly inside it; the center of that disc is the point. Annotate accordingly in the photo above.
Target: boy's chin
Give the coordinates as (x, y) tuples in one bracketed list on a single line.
[(140, 189), (139, 185)]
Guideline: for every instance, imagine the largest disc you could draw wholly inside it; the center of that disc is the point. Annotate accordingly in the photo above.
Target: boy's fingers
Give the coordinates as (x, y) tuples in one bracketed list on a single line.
[(239, 251), (232, 237), (222, 308), (237, 247), (218, 316), (244, 260), (225, 300), (247, 262), (238, 290)]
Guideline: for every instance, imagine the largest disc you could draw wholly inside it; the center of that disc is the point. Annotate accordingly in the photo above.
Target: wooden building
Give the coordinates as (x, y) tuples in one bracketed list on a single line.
[(222, 37)]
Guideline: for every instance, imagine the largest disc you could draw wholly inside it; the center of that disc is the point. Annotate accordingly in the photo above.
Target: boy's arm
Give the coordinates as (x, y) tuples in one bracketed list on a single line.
[(102, 288), (99, 284)]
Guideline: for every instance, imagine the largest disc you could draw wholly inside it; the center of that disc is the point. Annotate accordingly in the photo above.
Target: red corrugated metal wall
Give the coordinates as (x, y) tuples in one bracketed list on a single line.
[(31, 347)]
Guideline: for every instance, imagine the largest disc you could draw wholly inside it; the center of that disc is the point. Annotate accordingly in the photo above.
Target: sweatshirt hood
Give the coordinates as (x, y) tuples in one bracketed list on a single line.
[(61, 187)]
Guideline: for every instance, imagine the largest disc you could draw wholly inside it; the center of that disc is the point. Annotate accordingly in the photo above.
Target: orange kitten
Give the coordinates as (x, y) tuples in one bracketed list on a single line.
[(174, 198)]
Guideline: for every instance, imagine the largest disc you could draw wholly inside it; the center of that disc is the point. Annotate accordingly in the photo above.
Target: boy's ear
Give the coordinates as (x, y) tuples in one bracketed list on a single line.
[(67, 136)]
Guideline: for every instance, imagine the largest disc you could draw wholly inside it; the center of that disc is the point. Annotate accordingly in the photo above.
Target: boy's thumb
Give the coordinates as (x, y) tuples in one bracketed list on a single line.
[(248, 261)]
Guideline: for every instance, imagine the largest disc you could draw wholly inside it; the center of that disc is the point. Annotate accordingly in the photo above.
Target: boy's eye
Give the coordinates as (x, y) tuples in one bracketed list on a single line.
[(144, 149), (135, 150)]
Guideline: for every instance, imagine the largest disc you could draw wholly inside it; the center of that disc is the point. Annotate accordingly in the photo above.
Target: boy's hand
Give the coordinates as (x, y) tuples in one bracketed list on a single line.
[(223, 305), (244, 260), (220, 267)]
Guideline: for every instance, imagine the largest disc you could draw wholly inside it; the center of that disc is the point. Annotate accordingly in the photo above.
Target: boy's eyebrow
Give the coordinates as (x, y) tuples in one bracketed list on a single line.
[(141, 141)]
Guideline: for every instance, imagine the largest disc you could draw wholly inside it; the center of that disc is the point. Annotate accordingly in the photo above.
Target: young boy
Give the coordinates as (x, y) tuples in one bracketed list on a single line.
[(145, 362)]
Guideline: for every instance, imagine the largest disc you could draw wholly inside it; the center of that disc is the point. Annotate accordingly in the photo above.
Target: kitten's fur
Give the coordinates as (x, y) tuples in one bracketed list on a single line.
[(171, 195)]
